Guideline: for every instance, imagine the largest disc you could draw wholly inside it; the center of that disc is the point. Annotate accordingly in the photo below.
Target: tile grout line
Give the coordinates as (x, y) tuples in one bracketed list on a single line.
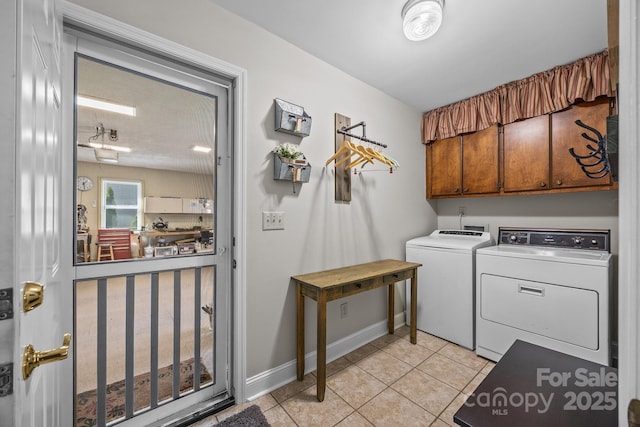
[(381, 346)]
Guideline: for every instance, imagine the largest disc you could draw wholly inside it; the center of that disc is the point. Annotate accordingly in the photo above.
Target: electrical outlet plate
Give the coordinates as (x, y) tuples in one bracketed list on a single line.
[(343, 310)]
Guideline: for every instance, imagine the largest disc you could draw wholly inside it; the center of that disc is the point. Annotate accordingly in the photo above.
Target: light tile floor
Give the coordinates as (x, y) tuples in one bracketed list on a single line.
[(388, 382)]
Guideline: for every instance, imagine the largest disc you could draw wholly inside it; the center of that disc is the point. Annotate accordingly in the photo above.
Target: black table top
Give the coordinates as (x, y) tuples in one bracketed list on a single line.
[(535, 386)]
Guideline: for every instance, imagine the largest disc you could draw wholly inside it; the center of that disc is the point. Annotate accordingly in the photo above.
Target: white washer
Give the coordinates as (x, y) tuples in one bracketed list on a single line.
[(446, 282), (547, 287)]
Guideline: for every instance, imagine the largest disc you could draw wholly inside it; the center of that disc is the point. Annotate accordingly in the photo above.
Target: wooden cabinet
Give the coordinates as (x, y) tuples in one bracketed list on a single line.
[(526, 155), (464, 165), (531, 155), (480, 172), (444, 167), (565, 134)]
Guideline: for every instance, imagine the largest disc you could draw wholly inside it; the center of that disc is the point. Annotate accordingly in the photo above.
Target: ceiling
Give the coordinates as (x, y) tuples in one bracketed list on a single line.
[(480, 45), (169, 120)]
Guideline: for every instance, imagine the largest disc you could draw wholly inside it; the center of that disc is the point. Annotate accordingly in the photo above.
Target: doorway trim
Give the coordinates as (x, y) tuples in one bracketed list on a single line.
[(629, 209), (92, 21)]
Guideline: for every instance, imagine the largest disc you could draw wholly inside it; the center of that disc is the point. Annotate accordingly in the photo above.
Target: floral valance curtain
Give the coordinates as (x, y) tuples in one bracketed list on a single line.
[(542, 93)]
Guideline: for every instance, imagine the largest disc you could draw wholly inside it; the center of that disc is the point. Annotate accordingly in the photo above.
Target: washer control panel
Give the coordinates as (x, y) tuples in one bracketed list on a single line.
[(571, 239), (461, 233)]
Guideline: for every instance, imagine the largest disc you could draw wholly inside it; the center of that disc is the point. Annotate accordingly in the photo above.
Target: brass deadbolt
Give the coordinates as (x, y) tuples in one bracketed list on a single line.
[(32, 296)]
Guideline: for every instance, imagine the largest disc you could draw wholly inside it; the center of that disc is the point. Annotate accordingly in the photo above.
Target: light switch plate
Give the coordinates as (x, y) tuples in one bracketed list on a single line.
[(273, 220)]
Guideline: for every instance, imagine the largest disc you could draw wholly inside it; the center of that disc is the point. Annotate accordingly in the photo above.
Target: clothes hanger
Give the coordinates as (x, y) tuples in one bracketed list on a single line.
[(353, 149), (380, 156), (361, 159), (346, 146), (364, 157), (344, 159), (394, 162)]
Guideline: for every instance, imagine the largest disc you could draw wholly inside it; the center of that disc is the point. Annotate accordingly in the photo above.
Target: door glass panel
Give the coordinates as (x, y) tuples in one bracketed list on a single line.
[(145, 166)]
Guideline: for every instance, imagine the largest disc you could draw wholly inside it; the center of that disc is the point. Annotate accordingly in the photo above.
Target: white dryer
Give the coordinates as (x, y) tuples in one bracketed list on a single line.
[(547, 287), (446, 282)]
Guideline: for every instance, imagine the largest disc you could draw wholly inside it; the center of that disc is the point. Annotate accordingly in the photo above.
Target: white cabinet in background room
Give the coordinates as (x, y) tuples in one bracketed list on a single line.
[(162, 205), (177, 205), (197, 206)]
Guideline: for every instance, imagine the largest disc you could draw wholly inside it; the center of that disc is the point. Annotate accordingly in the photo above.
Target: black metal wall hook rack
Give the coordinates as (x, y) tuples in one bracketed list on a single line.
[(345, 131), (595, 164)]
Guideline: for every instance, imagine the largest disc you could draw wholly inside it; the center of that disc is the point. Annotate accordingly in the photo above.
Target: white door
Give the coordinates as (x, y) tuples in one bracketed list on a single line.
[(43, 399)]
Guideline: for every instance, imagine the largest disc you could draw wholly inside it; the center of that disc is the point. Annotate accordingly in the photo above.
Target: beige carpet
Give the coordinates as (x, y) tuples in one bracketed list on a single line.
[(115, 404), (86, 325)]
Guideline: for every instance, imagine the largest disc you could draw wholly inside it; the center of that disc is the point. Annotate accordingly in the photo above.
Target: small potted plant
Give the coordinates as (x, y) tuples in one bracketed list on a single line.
[(289, 153)]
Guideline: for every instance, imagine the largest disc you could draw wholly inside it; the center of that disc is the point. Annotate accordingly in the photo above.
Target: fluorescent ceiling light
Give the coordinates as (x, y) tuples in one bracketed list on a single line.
[(109, 147), (421, 18), (84, 101), (106, 156), (201, 149)]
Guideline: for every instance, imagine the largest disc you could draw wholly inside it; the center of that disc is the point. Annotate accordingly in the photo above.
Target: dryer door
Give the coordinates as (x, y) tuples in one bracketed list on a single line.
[(562, 313)]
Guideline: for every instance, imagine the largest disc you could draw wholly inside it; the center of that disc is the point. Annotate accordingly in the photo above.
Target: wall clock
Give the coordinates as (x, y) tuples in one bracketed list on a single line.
[(84, 183)]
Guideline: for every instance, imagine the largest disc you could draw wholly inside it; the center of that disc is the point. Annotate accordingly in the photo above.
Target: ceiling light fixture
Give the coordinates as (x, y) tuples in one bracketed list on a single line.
[(98, 104), (201, 149), (106, 156), (105, 152), (109, 147), (421, 18)]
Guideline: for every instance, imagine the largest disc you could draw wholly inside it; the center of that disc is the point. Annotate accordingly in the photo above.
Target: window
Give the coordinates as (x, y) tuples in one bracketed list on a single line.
[(121, 204)]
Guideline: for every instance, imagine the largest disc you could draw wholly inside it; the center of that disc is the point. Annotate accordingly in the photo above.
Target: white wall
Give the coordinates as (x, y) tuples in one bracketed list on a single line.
[(386, 210), (597, 209)]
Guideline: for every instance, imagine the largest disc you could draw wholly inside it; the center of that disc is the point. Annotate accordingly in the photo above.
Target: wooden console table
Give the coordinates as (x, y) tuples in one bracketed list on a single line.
[(329, 285)]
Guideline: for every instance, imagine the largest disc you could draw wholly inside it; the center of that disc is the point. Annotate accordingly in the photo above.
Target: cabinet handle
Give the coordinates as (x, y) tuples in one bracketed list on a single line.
[(466, 189), (456, 190), (543, 184), (559, 182)]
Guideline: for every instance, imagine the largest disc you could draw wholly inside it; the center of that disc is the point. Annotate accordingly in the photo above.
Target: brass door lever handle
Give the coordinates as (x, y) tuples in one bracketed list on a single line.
[(31, 358)]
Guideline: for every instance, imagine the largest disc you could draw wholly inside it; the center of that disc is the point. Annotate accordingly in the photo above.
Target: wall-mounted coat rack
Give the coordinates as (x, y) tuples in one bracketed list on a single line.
[(345, 131), (343, 177), (345, 151)]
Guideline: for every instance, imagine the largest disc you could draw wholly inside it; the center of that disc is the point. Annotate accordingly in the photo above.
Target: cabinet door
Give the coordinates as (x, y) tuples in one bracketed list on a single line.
[(162, 205), (566, 134), (197, 206), (444, 172), (480, 162), (526, 155)]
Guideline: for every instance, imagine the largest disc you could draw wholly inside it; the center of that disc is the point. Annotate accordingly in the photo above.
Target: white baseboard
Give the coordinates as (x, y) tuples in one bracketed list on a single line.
[(275, 378)]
